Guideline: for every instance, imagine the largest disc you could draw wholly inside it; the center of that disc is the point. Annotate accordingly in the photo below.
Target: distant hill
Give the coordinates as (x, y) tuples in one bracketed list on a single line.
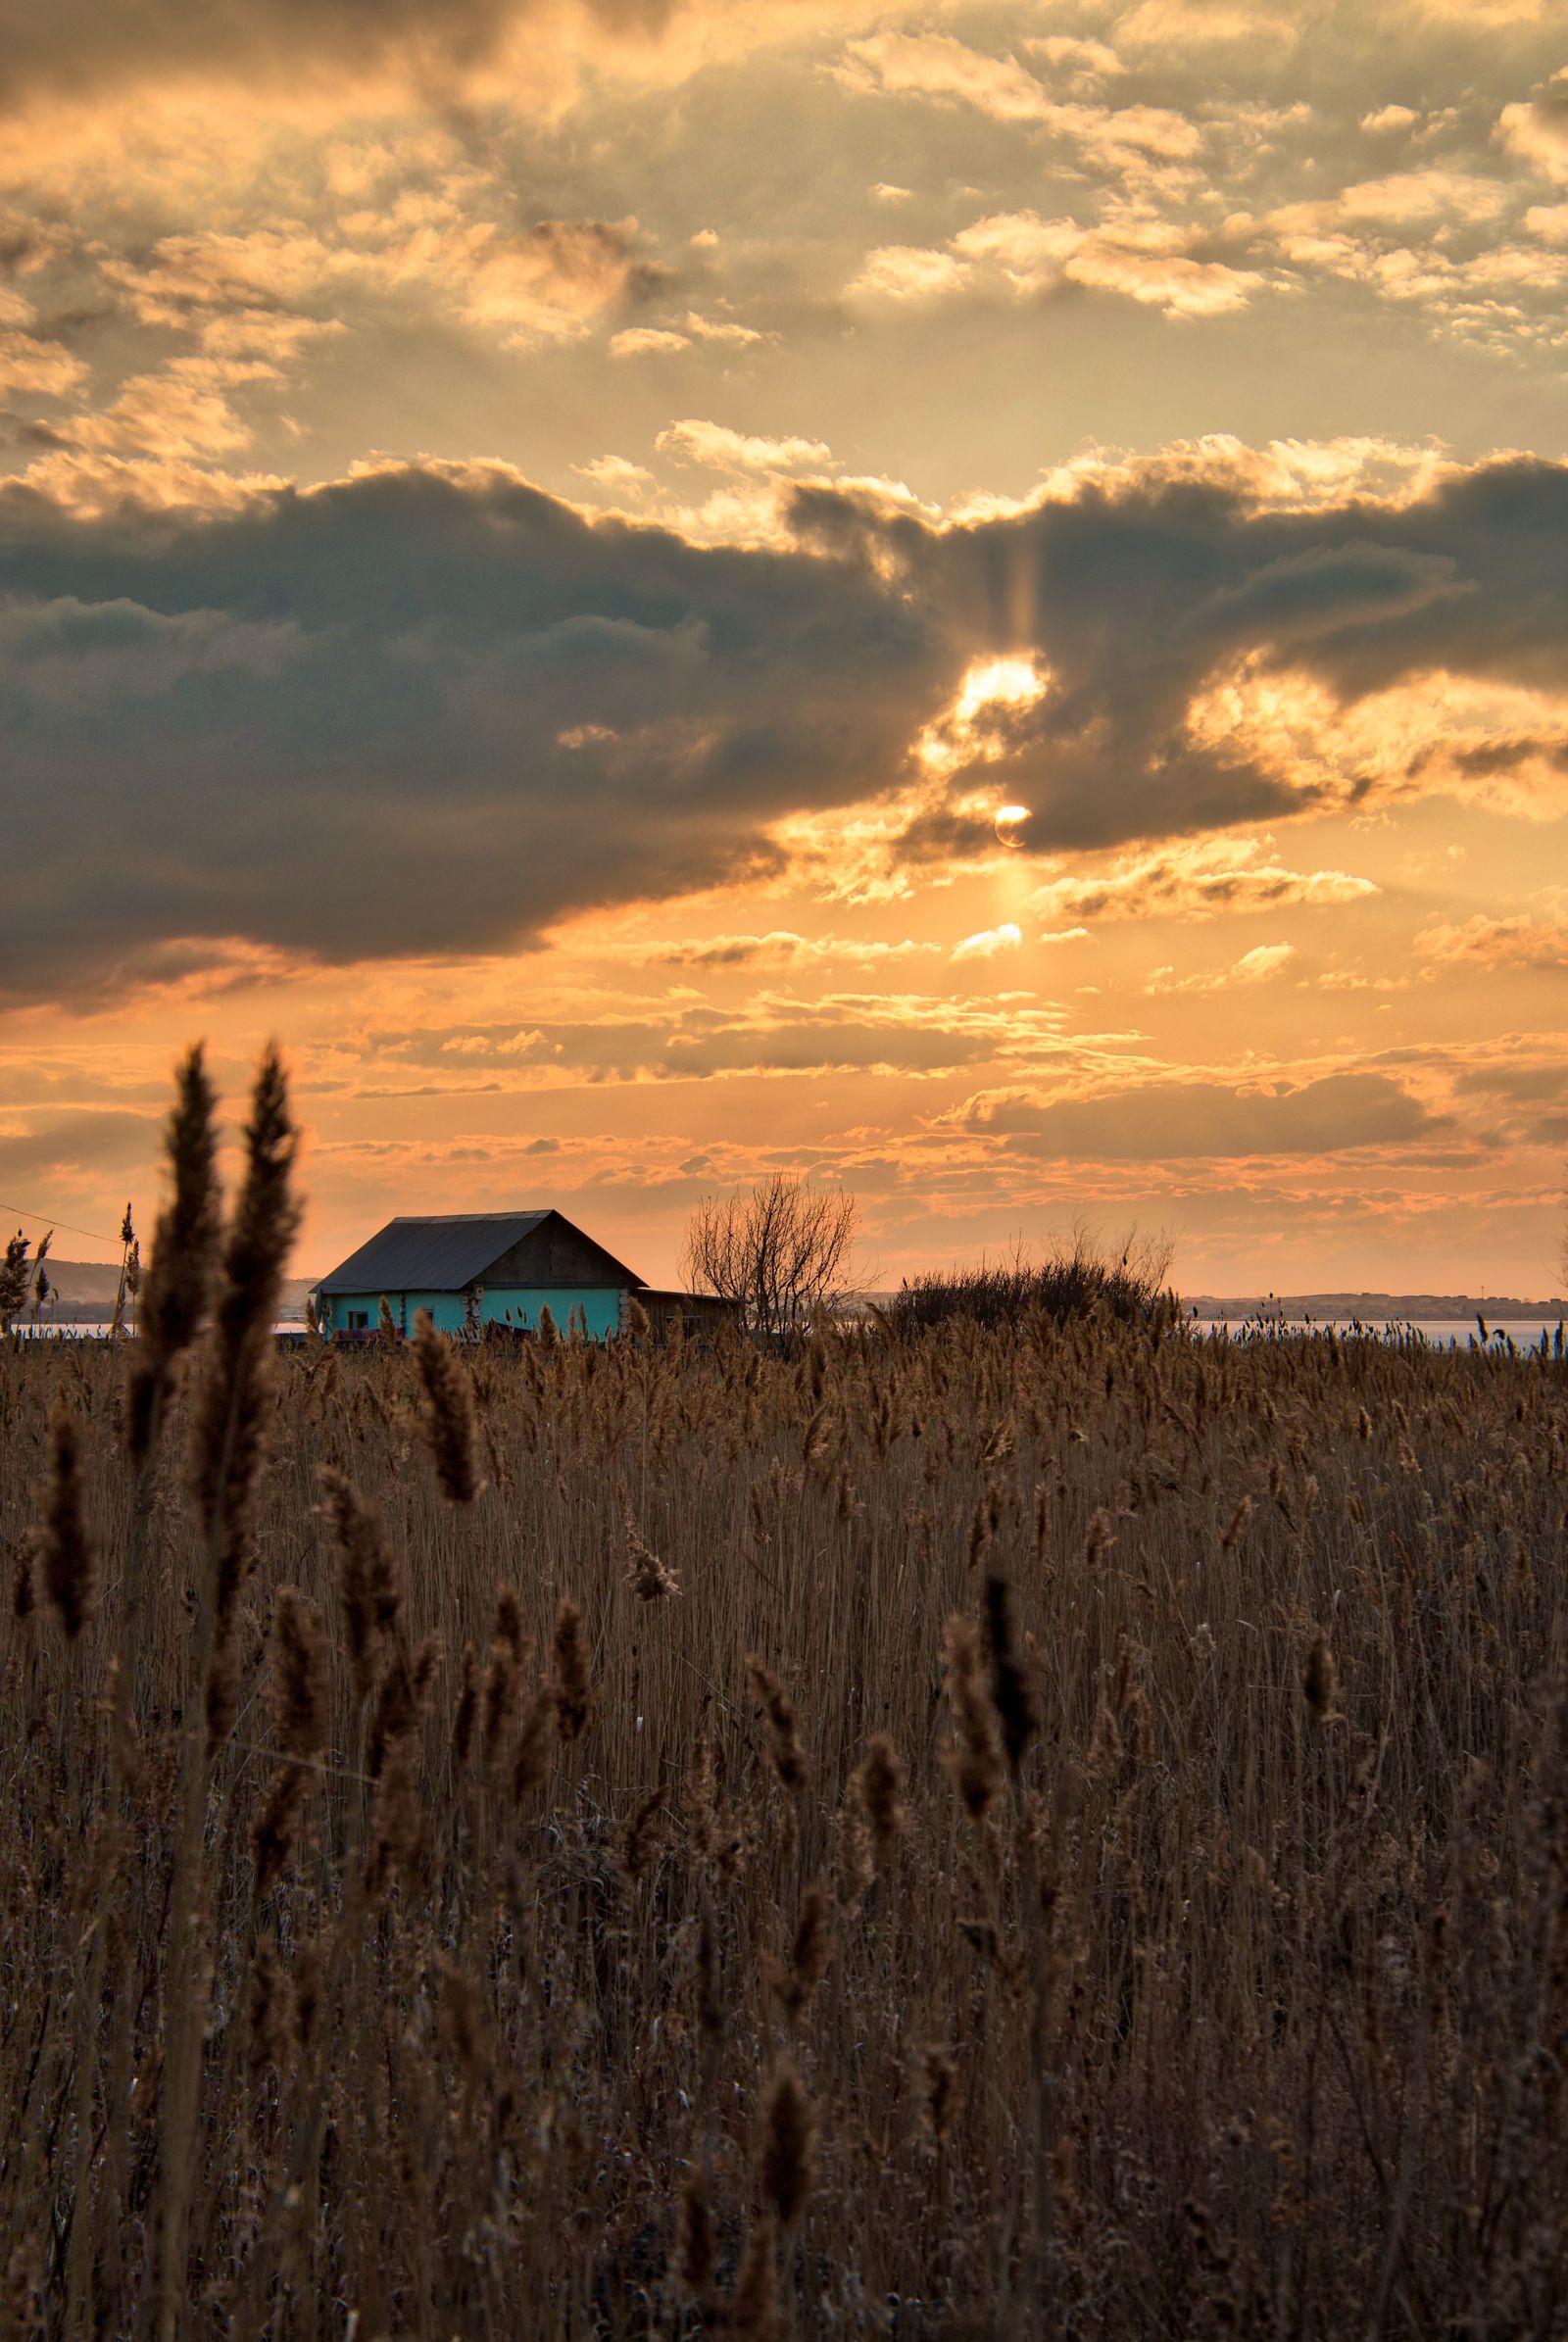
[(1377, 1308), (84, 1290)]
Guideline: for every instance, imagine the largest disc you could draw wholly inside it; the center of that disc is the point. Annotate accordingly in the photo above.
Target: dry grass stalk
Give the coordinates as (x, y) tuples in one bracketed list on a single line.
[(1209, 1995)]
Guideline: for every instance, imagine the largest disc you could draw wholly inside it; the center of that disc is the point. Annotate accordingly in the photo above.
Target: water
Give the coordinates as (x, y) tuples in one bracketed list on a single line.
[(93, 1329), (1442, 1333)]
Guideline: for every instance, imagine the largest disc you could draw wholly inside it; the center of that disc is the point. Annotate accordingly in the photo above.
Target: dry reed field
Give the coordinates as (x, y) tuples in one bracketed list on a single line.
[(1057, 1830)]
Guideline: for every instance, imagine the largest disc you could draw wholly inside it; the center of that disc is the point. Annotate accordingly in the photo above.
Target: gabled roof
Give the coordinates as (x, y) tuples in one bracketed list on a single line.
[(444, 1253)]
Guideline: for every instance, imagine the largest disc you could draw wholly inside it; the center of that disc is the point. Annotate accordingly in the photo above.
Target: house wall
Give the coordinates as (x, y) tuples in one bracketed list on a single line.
[(517, 1305), (555, 1254)]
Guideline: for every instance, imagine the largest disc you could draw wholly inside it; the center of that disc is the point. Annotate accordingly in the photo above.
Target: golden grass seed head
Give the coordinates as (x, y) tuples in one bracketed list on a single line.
[(696, 2245), (648, 1578), (275, 1832), (754, 2312), (571, 1682), (975, 1758), (176, 1286), (879, 1784), (448, 1419), (1320, 1682), (297, 1689), (369, 1583), (788, 2159), (1011, 1691), (785, 1754), (68, 1560), (536, 1743), (939, 2087), (640, 1836)]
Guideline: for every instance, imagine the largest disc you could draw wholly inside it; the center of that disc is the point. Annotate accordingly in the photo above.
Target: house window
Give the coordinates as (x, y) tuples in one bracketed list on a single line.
[(359, 1321)]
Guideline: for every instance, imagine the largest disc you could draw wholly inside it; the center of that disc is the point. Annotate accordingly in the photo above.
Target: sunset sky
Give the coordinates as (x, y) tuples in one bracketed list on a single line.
[(969, 600)]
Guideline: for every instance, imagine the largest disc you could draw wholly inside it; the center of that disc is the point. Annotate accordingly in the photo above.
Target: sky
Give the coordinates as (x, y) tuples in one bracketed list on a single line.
[(970, 601)]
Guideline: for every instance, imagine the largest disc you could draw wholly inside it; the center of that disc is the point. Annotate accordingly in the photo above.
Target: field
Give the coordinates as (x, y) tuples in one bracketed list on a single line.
[(1056, 1830)]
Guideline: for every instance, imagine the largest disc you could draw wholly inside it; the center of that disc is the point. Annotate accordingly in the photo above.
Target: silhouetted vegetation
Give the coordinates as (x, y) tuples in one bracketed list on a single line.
[(1073, 1280)]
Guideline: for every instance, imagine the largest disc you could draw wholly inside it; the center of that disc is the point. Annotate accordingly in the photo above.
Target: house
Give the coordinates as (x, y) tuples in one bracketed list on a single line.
[(476, 1269)]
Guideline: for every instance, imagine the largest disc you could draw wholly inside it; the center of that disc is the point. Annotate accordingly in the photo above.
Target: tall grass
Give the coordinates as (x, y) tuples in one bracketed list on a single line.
[(1042, 1829)]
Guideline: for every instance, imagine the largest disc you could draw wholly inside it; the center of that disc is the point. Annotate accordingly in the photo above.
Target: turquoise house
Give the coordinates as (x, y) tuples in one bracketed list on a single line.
[(475, 1269)]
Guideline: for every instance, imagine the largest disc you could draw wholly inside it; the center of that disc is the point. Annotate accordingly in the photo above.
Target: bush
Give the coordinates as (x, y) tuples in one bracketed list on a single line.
[(1072, 1281)]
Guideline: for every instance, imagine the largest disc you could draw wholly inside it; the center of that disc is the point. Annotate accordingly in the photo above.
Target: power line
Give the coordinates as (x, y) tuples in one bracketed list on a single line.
[(7, 1210)]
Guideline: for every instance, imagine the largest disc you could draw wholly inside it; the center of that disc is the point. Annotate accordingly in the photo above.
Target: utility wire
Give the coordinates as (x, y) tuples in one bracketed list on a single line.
[(12, 1210)]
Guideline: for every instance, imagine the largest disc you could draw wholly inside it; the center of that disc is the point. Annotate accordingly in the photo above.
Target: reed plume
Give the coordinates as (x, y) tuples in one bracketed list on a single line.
[(788, 2159), (879, 1783), (785, 1752), (69, 1561), (369, 1582), (570, 1681), (1011, 1692), (451, 1432), (176, 1285), (975, 1759)]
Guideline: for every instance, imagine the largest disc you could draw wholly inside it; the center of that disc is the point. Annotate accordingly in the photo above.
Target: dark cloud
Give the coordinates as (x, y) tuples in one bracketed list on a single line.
[(1137, 591), (1165, 1120), (79, 47), (105, 1138), (432, 710), (414, 711)]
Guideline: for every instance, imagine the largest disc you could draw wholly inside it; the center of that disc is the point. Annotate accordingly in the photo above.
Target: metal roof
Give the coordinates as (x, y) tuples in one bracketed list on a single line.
[(432, 1254)]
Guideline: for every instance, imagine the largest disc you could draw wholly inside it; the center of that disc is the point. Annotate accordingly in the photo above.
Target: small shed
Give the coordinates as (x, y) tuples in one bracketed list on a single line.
[(473, 1269)]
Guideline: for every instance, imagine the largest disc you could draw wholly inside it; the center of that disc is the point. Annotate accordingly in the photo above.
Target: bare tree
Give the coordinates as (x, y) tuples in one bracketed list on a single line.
[(777, 1251)]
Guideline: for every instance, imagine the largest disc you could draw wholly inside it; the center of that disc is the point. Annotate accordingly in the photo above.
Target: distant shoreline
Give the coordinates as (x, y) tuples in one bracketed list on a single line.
[(1374, 1308)]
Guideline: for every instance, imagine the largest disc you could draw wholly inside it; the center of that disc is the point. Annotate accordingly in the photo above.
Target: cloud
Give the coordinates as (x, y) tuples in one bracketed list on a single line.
[(1257, 966), (989, 942), (935, 65), (1407, 196), (1391, 117), (1156, 261), (616, 474), (722, 329), (646, 341), (1481, 942), (345, 56), (1198, 880), (276, 725), (1156, 1121), (1536, 131), (61, 1146), (1121, 142), (266, 722), (550, 282), (908, 272), (1162, 23), (780, 947), (720, 449)]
